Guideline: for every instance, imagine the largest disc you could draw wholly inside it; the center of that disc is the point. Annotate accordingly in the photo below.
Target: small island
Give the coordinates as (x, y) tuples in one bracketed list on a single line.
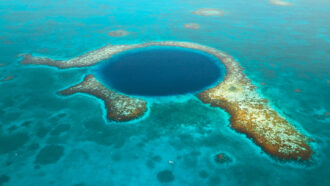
[(251, 114)]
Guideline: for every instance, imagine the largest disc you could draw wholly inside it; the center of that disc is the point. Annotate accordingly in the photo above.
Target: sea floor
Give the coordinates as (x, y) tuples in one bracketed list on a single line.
[(48, 139)]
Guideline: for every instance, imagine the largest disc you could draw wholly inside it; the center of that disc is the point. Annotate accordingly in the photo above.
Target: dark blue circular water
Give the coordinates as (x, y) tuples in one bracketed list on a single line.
[(160, 71)]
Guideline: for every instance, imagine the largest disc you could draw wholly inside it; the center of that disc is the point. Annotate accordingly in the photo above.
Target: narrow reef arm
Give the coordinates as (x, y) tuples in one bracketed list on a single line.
[(119, 107)]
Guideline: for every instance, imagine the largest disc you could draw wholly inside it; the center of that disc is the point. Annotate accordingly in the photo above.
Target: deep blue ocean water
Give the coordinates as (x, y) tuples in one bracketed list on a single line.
[(161, 71), (47, 139)]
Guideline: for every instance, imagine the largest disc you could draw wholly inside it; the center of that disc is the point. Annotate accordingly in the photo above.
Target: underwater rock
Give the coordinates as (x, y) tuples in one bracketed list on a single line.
[(192, 26), (4, 179), (33, 146), (118, 33), (49, 154), (165, 176), (9, 143), (203, 174), (208, 12), (280, 3)]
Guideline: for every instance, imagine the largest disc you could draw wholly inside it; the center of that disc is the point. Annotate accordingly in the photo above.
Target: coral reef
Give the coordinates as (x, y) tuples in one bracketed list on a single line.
[(280, 3), (222, 158), (8, 78), (119, 107), (251, 114), (208, 12), (192, 26), (118, 33)]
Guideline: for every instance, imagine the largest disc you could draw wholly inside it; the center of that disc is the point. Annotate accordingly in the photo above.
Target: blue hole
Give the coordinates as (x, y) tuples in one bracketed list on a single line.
[(160, 71)]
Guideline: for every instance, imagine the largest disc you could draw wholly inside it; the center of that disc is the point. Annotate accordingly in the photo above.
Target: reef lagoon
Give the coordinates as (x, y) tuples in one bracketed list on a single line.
[(164, 93)]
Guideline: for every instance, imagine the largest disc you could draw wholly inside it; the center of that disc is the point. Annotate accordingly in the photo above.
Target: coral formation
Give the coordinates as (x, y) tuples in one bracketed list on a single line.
[(8, 78), (280, 3), (118, 33), (165, 176), (208, 12), (192, 26), (222, 158), (251, 114), (119, 107)]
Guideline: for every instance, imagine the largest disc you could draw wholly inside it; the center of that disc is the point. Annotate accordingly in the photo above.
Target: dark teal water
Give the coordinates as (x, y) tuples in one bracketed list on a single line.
[(47, 139), (161, 71)]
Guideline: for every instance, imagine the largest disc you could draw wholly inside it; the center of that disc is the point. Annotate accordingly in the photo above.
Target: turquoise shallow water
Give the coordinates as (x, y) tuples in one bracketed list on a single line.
[(47, 139)]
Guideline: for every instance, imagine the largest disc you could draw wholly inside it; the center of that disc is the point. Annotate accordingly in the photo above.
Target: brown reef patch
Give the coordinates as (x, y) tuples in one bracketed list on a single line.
[(222, 158), (297, 90), (251, 114)]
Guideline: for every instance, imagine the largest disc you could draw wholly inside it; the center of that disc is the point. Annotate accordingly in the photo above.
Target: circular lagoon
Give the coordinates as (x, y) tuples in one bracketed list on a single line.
[(161, 71)]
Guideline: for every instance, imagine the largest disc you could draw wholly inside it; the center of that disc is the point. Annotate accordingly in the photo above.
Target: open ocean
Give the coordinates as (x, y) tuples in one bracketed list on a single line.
[(49, 139)]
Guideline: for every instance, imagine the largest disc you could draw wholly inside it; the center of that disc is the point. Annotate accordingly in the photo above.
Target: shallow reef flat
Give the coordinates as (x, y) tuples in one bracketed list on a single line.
[(251, 114)]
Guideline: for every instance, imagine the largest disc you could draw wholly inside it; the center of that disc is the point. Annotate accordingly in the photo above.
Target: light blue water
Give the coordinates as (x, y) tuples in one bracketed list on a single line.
[(161, 71), (46, 139)]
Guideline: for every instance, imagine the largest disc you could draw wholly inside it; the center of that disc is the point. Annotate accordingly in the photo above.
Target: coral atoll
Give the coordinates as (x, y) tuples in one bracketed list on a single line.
[(251, 114)]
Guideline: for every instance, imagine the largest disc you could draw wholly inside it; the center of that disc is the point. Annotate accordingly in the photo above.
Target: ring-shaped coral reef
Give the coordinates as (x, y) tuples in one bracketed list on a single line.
[(250, 113)]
